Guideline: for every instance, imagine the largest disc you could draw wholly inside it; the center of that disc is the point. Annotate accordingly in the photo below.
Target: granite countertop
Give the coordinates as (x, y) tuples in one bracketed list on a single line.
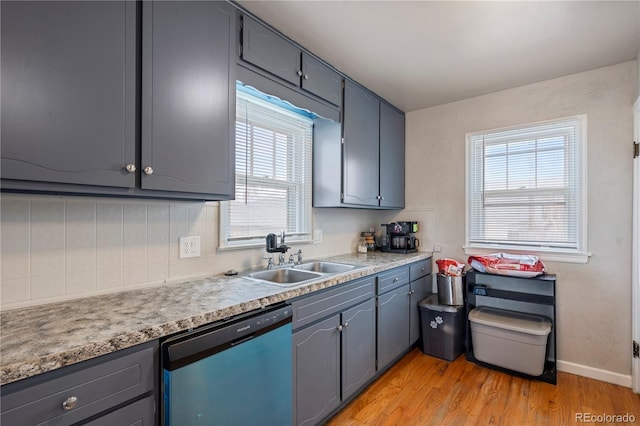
[(43, 338)]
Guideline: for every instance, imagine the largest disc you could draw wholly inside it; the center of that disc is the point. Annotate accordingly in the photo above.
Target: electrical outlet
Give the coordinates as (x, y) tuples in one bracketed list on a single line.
[(317, 237), (437, 248), (189, 247)]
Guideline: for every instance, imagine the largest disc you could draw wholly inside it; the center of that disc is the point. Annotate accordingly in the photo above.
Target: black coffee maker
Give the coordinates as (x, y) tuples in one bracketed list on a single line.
[(397, 237)]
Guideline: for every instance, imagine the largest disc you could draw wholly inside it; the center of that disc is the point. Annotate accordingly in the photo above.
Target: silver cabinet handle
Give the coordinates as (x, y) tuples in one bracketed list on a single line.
[(70, 403), (411, 292), (148, 170), (131, 168), (396, 279), (421, 269), (340, 327), (299, 73), (306, 77), (346, 324)]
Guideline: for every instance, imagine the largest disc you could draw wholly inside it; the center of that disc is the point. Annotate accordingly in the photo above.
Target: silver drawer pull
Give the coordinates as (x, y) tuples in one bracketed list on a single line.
[(421, 269), (70, 403), (396, 279)]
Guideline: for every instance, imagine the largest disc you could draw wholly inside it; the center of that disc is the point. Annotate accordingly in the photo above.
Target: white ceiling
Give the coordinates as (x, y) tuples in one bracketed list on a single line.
[(418, 54)]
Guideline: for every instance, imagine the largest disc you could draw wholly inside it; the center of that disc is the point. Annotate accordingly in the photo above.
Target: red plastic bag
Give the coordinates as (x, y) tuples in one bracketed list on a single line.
[(516, 265), (450, 267)]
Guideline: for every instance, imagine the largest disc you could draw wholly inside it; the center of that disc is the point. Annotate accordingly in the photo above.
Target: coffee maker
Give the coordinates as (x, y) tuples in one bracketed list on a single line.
[(397, 237)]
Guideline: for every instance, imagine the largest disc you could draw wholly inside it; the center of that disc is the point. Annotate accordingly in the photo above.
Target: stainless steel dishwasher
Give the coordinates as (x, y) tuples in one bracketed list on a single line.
[(234, 374)]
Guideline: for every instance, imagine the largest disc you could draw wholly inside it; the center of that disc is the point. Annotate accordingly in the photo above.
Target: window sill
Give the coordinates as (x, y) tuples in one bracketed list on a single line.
[(260, 245), (543, 255)]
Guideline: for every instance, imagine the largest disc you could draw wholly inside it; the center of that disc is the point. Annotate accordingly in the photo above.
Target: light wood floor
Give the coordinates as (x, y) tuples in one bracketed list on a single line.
[(422, 390)]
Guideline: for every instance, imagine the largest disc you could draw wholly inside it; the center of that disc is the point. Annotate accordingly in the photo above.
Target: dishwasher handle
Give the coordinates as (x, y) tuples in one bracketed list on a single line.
[(193, 346)]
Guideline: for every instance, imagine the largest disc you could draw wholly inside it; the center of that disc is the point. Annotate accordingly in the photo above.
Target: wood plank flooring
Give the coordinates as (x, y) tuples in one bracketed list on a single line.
[(423, 390)]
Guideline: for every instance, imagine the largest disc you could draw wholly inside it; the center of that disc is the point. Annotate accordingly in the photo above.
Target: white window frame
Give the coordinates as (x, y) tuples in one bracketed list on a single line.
[(303, 214), (579, 254)]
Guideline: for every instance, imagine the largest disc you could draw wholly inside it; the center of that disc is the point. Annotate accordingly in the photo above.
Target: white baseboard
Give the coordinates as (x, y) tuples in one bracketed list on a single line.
[(594, 373)]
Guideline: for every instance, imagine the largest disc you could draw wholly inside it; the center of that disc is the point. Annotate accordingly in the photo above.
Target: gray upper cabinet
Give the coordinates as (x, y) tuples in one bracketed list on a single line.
[(188, 97), (69, 92), (360, 148), (370, 172), (321, 80), (391, 157), (266, 49)]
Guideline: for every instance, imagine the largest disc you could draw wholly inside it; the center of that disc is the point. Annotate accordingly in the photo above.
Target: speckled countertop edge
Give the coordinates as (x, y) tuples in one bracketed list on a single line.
[(43, 338)]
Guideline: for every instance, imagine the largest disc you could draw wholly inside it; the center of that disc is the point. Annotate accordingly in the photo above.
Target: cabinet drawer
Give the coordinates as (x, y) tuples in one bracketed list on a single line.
[(318, 306), (391, 279), (97, 388), (139, 413), (419, 269)]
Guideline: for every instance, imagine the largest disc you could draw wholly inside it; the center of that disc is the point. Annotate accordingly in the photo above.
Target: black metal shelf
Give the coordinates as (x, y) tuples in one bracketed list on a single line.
[(500, 288)]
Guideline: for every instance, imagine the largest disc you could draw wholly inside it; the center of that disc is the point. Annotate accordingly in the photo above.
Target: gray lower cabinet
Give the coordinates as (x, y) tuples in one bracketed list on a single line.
[(358, 347), (399, 292), (393, 325), (316, 357), (269, 51), (188, 96), (68, 92), (119, 387), (420, 288), (333, 348)]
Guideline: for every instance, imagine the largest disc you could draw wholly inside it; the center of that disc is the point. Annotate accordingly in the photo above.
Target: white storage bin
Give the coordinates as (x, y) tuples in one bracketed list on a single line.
[(509, 339)]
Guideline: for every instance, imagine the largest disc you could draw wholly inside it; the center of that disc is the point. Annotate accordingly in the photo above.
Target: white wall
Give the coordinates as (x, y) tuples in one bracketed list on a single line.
[(593, 299), (56, 248)]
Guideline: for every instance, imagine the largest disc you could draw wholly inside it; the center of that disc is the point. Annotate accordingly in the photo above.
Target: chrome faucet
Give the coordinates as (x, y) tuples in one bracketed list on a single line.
[(269, 260)]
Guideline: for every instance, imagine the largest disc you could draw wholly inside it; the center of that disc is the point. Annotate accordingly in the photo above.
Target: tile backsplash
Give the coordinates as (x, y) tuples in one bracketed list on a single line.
[(57, 248)]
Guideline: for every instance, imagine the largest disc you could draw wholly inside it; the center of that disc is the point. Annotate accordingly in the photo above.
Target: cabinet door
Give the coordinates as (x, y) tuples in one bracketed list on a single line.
[(393, 325), (321, 80), (361, 146), (392, 157), (420, 289), (268, 50), (188, 97), (68, 92), (358, 347), (316, 358)]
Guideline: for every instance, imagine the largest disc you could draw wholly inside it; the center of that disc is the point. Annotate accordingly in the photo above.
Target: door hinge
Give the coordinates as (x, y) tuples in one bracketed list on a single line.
[(636, 349), (636, 149)]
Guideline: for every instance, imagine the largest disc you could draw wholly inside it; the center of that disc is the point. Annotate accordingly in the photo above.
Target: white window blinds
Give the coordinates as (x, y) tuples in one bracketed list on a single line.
[(526, 187), (273, 175)]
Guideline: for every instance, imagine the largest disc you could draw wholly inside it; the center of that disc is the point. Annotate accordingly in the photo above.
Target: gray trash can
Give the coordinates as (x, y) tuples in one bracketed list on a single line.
[(443, 329)]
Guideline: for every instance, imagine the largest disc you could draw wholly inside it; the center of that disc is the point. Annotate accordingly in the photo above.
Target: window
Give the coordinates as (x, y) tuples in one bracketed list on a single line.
[(526, 190), (273, 174)]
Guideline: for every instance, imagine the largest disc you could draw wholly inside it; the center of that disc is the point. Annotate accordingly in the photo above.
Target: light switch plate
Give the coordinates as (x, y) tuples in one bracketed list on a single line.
[(189, 247)]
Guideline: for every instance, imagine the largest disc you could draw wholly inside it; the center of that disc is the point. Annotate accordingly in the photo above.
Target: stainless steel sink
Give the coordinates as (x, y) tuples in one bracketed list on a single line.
[(297, 274), (286, 276), (325, 267)]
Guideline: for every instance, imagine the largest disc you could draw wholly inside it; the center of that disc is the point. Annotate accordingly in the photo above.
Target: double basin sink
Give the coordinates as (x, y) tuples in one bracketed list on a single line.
[(297, 274)]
